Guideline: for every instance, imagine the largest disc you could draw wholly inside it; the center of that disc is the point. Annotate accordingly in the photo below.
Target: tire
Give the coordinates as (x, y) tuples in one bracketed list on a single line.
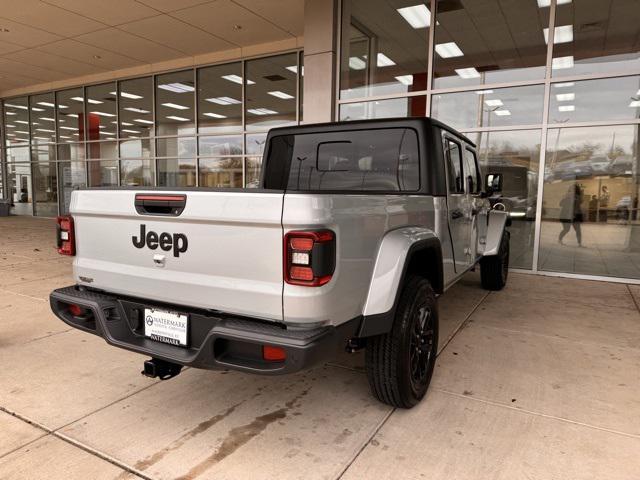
[(494, 270), (400, 363)]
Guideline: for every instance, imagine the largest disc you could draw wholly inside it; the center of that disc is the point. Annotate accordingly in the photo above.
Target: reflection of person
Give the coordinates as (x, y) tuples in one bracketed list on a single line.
[(593, 208), (605, 196), (571, 213)]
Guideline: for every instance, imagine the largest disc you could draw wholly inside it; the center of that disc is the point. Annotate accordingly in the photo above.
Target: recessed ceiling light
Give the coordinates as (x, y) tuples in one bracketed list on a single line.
[(635, 104), (502, 113), (107, 133), (261, 111), (103, 114), (74, 115), (384, 61), (566, 108), (279, 94), (563, 34), (356, 63), (130, 131), (547, 3), (48, 119), (223, 100), (10, 113), (132, 96), (468, 72), (448, 50), (126, 124), (237, 79), (294, 69), (67, 128), (45, 130), (484, 92), (179, 119), (175, 106), (22, 131), (37, 109), (418, 16), (496, 102), (562, 62), (24, 122), (564, 84), (214, 115), (46, 104), (142, 120), (21, 107), (176, 87), (63, 136), (405, 79), (565, 97), (136, 110)]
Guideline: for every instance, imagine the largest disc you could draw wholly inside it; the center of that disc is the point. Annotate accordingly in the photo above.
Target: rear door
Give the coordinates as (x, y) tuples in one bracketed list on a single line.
[(222, 252), (458, 204)]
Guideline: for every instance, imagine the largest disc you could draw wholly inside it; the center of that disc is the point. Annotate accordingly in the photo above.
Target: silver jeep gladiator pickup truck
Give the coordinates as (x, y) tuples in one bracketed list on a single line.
[(355, 230)]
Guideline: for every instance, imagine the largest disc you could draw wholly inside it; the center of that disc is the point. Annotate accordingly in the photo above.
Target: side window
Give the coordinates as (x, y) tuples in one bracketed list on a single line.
[(454, 166), (471, 174)]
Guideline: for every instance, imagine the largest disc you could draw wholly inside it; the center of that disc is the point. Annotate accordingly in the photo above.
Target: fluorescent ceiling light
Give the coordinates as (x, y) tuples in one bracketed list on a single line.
[(565, 97), (63, 136), (635, 104), (142, 120), (502, 113), (10, 113), (405, 79), (46, 104), (418, 16), (484, 92), (45, 130), (175, 106), (384, 61), (237, 79), (93, 102), (126, 124), (356, 63), (176, 87), (36, 109), (22, 131), (21, 107), (294, 69), (107, 133), (496, 102), (547, 3), (564, 84), (67, 128), (563, 34), (468, 72), (448, 50), (130, 131), (8, 125), (136, 110), (562, 62), (173, 117), (566, 108), (74, 115), (48, 119), (23, 122), (214, 115), (103, 114), (132, 96), (261, 111), (223, 100), (279, 94)]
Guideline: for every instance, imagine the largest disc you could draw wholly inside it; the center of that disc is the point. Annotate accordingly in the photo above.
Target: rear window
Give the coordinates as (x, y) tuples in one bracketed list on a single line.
[(362, 160)]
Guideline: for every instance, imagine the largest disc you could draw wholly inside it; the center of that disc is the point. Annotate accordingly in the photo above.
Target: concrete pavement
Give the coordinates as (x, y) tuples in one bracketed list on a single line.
[(539, 381)]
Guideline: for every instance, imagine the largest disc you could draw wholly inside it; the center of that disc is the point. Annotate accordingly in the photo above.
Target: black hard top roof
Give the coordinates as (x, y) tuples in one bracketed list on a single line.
[(413, 122)]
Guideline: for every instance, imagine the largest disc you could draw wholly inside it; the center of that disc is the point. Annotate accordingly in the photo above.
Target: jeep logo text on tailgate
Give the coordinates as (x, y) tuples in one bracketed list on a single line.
[(166, 241)]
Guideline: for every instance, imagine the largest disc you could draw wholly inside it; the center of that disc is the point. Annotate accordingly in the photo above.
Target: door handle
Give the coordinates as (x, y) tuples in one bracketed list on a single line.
[(457, 213)]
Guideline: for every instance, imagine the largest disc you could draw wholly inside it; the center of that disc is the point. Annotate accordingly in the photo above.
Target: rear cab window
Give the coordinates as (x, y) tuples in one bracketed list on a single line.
[(376, 160)]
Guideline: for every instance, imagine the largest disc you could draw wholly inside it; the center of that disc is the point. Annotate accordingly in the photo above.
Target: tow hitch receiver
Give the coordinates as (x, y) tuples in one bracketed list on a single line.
[(160, 368)]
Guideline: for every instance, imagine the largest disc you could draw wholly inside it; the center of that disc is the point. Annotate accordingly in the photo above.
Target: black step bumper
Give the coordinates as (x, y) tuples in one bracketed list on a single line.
[(216, 341)]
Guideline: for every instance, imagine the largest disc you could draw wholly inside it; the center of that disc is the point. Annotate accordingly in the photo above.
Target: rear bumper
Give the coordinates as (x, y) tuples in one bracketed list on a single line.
[(216, 341)]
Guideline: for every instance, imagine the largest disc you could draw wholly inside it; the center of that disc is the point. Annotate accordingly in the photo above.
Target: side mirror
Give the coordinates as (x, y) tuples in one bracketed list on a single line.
[(493, 183)]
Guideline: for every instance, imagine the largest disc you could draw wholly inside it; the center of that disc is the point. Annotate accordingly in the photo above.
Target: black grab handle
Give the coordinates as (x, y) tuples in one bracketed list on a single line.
[(152, 204)]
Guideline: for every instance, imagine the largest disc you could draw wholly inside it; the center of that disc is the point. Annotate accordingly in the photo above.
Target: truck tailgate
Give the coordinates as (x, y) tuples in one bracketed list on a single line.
[(233, 249)]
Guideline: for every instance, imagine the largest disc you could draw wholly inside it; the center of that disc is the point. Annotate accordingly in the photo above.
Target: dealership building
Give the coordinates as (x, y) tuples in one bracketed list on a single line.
[(181, 93)]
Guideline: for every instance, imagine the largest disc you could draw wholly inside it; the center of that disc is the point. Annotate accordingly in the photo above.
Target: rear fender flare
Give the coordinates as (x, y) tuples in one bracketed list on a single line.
[(496, 224)]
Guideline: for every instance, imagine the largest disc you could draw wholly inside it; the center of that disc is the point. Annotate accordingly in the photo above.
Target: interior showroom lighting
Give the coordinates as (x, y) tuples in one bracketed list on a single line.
[(418, 16), (384, 61), (214, 115), (448, 50), (175, 106), (36, 109), (176, 87), (566, 108), (496, 102), (467, 72), (261, 111), (562, 62), (547, 3), (282, 95), (405, 79), (356, 63), (484, 92), (48, 119), (564, 84), (142, 120), (502, 113), (21, 107), (565, 97), (237, 79), (46, 104), (132, 96), (130, 131), (294, 69), (562, 34), (223, 100), (179, 119), (136, 110), (103, 114)]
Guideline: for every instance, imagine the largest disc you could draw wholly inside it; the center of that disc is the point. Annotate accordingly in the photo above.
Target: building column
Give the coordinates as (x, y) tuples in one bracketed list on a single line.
[(320, 51)]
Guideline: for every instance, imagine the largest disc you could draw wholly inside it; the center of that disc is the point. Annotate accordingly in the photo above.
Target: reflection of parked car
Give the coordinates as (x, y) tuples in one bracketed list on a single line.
[(518, 190), (600, 165), (570, 170), (622, 165)]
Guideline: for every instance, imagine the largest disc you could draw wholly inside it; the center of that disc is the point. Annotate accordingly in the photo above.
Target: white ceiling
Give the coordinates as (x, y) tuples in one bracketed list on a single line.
[(44, 41)]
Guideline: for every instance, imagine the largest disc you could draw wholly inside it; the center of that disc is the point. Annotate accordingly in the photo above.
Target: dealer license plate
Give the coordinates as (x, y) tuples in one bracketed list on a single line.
[(166, 327)]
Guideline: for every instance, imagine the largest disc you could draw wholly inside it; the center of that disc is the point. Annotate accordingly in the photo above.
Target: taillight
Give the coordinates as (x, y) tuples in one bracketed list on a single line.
[(310, 257), (65, 236)]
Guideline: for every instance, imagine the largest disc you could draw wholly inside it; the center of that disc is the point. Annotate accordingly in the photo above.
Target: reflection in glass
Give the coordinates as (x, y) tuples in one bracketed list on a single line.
[(176, 147), (45, 183), (396, 107), (135, 173), (219, 100), (103, 173), (175, 96), (17, 154), (136, 148), (220, 145), (98, 150), (516, 156), (136, 108), (596, 37), (43, 121), (489, 42), (73, 175), (70, 115), (385, 47), (490, 108), (253, 162), (20, 192), (101, 112), (270, 91), (590, 222), (71, 151), (16, 121), (221, 172), (595, 100), (176, 172)]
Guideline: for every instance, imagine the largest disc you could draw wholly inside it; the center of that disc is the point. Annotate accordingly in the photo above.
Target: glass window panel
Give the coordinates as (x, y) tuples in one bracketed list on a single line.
[(134, 173), (270, 96), (102, 150), (384, 47), (395, 107), (490, 108), (71, 151), (221, 172), (136, 148), (175, 103), (253, 164), (43, 121), (136, 108), (590, 222), (43, 152), (20, 194), (220, 146), (18, 154), (73, 176), (102, 115), (219, 100), (177, 172), (103, 173), (45, 182), (516, 155), (70, 115), (489, 42), (595, 100), (301, 88), (596, 37), (176, 147), (16, 121)]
